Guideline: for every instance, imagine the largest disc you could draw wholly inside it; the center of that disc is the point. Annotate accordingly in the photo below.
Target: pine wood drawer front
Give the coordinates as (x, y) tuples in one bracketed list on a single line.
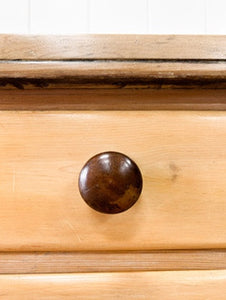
[(191, 285), (182, 157)]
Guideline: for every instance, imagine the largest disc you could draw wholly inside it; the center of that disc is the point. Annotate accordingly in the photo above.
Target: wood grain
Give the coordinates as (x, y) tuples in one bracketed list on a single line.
[(113, 99), (181, 156), (192, 285), (28, 47), (116, 61), (114, 74), (80, 262)]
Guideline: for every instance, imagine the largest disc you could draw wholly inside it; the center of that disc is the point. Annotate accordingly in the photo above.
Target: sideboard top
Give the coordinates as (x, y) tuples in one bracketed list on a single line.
[(112, 47), (112, 61)]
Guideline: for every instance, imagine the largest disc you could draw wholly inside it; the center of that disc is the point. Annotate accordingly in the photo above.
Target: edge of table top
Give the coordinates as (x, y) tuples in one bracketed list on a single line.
[(113, 61)]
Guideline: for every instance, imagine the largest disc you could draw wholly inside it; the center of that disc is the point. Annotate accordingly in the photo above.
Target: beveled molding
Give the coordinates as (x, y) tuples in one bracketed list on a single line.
[(85, 262), (112, 61)]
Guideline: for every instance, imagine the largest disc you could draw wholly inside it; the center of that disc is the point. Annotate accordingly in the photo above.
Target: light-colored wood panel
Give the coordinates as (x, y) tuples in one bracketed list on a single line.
[(113, 68), (190, 285), (112, 47), (117, 61), (80, 262), (181, 156), (113, 99), (127, 74)]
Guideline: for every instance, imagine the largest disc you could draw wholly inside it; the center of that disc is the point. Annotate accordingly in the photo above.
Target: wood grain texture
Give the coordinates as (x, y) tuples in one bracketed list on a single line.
[(114, 74), (22, 47), (80, 262), (181, 156), (116, 61), (113, 99), (192, 285)]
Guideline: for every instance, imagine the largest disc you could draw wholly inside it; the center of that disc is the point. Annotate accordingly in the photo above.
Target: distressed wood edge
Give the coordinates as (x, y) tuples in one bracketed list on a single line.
[(133, 261), (112, 61), (112, 74), (102, 46)]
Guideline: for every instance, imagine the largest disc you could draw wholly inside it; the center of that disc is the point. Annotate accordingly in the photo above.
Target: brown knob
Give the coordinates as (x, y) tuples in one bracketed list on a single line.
[(110, 182)]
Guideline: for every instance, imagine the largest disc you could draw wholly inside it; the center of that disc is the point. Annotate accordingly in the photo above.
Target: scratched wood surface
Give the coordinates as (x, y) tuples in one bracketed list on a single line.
[(116, 61), (50, 47), (190, 285), (112, 74), (181, 156)]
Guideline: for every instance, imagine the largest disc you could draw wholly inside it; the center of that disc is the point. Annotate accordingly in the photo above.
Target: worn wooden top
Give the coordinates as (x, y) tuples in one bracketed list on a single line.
[(119, 61), (116, 47)]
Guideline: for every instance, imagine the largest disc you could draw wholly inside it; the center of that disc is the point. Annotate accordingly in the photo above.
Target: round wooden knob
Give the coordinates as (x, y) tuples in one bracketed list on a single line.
[(110, 182)]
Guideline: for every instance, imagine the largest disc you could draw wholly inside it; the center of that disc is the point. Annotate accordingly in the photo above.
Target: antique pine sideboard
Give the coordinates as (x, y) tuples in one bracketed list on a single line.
[(135, 127)]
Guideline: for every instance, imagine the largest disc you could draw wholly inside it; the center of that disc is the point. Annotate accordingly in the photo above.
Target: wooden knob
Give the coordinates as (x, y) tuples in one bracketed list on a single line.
[(110, 182)]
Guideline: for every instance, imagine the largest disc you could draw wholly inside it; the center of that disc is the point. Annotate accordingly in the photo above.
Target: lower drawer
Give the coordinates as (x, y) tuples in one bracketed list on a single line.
[(191, 285), (182, 158)]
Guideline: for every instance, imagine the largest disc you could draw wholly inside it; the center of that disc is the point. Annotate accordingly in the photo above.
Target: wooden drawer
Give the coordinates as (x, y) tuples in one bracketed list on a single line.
[(191, 285), (181, 155)]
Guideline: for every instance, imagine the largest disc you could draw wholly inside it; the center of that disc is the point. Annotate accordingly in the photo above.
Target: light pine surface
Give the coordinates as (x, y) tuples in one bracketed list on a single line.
[(188, 285), (112, 61), (125, 69), (111, 261), (181, 156), (113, 46)]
